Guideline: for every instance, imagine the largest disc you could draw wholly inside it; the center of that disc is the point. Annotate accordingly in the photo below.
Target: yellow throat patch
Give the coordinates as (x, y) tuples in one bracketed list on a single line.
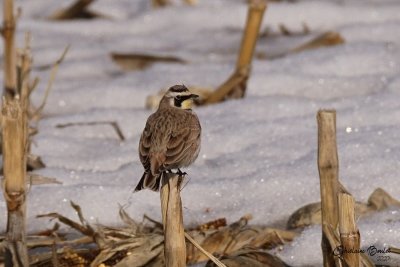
[(187, 104)]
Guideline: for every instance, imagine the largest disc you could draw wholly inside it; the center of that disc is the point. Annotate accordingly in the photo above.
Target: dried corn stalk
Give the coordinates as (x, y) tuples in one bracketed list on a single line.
[(78, 9), (325, 39), (10, 56), (238, 235), (138, 244), (328, 168), (349, 234), (164, 3), (134, 61), (251, 258), (235, 86), (172, 216), (311, 214)]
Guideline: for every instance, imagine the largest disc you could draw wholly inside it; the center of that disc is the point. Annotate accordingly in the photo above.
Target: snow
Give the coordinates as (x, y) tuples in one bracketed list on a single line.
[(258, 154)]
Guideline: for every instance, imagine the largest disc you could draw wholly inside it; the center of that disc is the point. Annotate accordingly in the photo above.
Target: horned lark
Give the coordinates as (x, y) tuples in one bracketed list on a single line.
[(171, 138)]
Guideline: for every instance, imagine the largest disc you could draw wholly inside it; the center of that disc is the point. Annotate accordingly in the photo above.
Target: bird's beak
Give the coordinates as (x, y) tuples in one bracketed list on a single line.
[(194, 96)]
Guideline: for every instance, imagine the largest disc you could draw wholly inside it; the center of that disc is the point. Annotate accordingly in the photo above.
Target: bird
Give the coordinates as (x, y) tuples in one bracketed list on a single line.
[(171, 138)]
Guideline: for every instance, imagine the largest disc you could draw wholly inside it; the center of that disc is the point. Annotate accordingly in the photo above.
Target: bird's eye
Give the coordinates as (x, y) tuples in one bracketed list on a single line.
[(178, 97)]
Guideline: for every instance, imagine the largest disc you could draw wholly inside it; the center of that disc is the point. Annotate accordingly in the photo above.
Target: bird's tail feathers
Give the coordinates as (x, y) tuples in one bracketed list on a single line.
[(149, 181)]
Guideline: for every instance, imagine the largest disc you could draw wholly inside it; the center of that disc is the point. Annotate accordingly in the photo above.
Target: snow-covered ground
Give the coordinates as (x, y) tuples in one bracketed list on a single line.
[(258, 154)]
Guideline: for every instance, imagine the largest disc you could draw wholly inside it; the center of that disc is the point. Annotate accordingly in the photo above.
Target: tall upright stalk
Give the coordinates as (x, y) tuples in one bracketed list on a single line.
[(235, 86), (14, 168), (14, 142), (349, 234), (328, 173), (10, 67), (174, 232)]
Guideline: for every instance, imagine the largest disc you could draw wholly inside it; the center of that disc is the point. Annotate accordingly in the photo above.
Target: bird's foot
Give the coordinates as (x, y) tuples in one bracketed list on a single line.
[(181, 173)]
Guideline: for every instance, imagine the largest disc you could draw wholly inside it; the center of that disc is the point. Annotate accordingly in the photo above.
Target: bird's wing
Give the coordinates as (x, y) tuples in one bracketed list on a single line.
[(181, 140), (151, 153), (144, 147)]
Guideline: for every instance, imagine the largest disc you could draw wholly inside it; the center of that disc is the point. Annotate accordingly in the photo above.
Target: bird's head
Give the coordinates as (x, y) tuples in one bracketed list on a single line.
[(179, 96)]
